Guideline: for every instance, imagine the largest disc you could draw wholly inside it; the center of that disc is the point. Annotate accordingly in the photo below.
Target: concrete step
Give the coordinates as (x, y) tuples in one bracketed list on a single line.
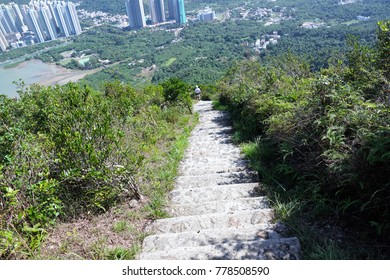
[(216, 179), (203, 170), (271, 249), (212, 221), (211, 126), (218, 148), (214, 153), (165, 242), (213, 193), (220, 213), (219, 206), (212, 162), (211, 159)]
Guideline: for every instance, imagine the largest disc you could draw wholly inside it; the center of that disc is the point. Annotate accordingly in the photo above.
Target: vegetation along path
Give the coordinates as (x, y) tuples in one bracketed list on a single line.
[(217, 207)]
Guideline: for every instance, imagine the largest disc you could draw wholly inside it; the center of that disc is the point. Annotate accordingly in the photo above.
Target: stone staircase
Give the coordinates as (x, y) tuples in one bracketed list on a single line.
[(217, 208)]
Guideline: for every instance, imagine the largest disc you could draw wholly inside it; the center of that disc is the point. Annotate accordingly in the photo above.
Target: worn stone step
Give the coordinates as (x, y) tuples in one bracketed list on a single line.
[(214, 153), (220, 213), (216, 179), (197, 162), (221, 137), (211, 163), (271, 249), (202, 170), (212, 193), (212, 221), (211, 125), (209, 134), (207, 143), (163, 242), (219, 206)]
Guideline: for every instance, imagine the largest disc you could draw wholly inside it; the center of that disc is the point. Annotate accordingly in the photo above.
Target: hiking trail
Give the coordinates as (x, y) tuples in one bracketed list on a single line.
[(217, 207)]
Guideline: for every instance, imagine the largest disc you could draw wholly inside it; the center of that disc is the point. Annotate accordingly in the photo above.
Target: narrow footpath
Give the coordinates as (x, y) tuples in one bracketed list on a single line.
[(217, 208)]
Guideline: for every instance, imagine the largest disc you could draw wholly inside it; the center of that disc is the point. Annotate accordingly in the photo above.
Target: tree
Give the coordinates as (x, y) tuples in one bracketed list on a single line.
[(177, 91)]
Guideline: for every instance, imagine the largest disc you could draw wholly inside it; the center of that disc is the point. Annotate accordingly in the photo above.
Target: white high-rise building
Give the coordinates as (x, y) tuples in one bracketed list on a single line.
[(59, 12), (45, 22), (7, 19), (2, 28), (19, 20), (71, 9), (10, 17), (38, 21), (3, 41), (31, 18), (206, 15)]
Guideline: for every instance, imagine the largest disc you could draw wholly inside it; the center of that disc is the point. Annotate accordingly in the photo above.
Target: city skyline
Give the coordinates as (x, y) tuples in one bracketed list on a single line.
[(37, 22), (136, 13)]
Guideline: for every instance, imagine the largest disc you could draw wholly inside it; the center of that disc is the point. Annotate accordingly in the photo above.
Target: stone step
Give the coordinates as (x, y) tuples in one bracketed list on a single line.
[(212, 135), (215, 153), (216, 179), (212, 221), (199, 163), (163, 242), (220, 213), (190, 171), (209, 161), (219, 206), (201, 141), (212, 193), (216, 147), (271, 249)]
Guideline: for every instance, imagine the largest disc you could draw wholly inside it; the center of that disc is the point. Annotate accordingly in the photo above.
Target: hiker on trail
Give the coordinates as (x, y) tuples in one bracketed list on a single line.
[(197, 93)]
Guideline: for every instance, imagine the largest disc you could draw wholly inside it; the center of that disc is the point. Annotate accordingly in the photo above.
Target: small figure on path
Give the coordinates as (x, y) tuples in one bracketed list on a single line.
[(197, 93)]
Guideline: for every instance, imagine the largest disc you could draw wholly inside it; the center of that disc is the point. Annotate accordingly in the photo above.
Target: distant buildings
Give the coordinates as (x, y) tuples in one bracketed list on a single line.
[(182, 19), (157, 11), (206, 15), (362, 18), (3, 41), (266, 40), (135, 12), (37, 22)]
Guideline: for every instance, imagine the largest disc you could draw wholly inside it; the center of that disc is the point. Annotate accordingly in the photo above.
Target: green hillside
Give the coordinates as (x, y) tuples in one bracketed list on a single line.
[(87, 165)]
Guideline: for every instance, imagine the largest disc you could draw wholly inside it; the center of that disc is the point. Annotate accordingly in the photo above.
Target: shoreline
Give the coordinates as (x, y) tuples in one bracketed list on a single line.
[(35, 71), (60, 75)]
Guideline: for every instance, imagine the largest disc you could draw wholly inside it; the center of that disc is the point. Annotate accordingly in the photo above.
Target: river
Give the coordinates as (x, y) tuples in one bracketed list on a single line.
[(37, 72)]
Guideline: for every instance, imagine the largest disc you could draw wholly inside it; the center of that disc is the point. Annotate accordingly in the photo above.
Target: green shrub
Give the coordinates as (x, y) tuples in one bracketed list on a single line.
[(67, 150), (320, 138)]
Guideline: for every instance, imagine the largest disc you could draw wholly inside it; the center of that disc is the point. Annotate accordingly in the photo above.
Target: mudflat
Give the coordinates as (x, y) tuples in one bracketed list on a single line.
[(37, 72)]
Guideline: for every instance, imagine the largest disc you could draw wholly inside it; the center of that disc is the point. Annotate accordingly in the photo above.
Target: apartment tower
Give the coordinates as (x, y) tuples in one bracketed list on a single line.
[(157, 10), (135, 12), (177, 11)]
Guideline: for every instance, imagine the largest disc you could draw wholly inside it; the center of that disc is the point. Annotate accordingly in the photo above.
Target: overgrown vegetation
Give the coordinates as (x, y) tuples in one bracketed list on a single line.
[(67, 151), (320, 141)]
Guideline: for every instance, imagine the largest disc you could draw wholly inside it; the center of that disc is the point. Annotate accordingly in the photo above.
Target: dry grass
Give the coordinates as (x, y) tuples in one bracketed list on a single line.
[(96, 236)]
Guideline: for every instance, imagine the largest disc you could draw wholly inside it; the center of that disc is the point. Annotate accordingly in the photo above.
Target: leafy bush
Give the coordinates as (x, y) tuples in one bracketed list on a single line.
[(67, 150), (323, 136), (177, 92)]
